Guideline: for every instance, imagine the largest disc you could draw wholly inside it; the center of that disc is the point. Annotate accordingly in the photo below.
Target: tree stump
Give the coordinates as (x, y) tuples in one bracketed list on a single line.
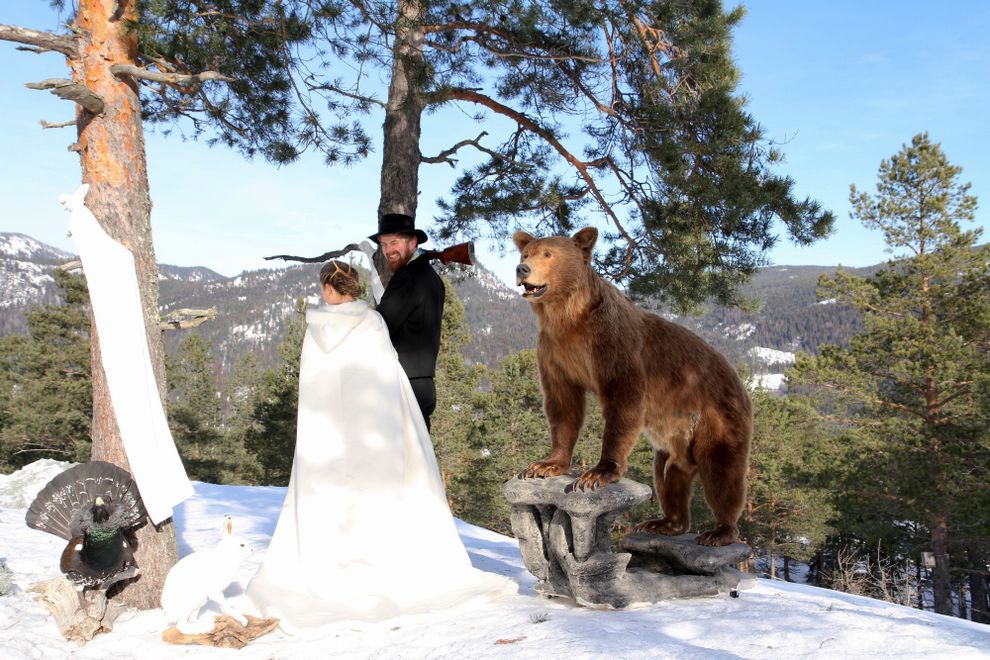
[(227, 633), (564, 539), (79, 616)]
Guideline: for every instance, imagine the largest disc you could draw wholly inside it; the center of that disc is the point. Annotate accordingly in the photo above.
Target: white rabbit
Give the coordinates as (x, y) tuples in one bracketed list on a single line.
[(202, 576)]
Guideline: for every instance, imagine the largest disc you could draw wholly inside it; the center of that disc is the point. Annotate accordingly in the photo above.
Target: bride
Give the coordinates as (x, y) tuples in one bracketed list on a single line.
[(365, 531)]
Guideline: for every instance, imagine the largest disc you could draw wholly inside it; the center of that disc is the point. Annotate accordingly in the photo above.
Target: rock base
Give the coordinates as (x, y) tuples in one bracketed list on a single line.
[(564, 539)]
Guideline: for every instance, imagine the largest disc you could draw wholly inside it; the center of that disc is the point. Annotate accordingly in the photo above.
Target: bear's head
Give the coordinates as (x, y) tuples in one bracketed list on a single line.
[(550, 267)]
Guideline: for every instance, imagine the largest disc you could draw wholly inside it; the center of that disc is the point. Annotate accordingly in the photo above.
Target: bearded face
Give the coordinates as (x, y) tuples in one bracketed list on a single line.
[(398, 249)]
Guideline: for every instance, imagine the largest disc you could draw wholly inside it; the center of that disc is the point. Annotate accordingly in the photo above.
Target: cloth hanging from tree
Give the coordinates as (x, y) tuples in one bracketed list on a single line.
[(116, 303)]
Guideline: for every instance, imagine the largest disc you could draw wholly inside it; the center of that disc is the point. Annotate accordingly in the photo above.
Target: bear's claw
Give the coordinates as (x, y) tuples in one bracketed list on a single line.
[(721, 535), (543, 470), (596, 478), (662, 526)]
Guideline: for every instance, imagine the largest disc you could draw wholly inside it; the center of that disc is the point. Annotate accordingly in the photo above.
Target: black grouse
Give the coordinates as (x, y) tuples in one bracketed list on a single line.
[(95, 506)]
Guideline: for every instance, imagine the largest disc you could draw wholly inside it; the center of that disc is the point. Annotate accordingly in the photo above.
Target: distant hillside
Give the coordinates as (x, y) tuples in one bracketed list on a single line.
[(252, 308)]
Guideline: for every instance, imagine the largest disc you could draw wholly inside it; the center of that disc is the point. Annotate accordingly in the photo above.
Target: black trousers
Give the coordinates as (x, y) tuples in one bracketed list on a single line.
[(425, 390)]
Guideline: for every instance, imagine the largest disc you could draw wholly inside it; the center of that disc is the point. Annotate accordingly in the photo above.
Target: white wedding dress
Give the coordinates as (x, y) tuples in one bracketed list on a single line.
[(365, 531)]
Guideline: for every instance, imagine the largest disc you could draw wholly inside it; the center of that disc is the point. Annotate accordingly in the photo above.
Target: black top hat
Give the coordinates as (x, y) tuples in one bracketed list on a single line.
[(399, 223)]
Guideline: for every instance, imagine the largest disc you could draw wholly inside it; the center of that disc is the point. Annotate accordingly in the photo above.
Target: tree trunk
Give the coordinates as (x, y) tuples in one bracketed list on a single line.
[(941, 587), (403, 112), (978, 583), (917, 585), (787, 569), (112, 157)]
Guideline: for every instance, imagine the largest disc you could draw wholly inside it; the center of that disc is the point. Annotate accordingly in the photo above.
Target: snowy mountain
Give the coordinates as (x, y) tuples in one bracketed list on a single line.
[(253, 307), (773, 620), (25, 277)]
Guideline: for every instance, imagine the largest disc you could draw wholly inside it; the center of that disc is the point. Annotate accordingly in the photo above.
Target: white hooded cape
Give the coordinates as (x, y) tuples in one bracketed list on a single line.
[(365, 531)]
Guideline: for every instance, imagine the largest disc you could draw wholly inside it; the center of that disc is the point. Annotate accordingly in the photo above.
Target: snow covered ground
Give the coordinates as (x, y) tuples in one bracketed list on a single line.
[(773, 620)]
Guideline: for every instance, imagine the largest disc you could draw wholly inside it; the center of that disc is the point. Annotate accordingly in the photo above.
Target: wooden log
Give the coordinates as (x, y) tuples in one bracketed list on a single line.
[(227, 633), (79, 616)]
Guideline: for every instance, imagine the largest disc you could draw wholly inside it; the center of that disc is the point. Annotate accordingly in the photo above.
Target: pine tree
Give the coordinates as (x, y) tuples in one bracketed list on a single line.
[(789, 504), (457, 386), (510, 434), (242, 391), (45, 379), (100, 46), (209, 452), (624, 110), (271, 436), (913, 376)]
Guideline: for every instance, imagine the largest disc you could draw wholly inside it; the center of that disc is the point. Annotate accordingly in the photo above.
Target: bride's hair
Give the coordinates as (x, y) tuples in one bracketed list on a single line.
[(342, 276)]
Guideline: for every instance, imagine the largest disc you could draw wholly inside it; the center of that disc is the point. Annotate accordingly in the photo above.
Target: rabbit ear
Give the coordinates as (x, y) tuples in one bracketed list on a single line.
[(228, 525)]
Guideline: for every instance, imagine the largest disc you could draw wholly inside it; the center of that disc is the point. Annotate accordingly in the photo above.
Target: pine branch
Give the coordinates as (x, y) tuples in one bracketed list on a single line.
[(583, 167), (140, 73), (338, 90), (42, 41)]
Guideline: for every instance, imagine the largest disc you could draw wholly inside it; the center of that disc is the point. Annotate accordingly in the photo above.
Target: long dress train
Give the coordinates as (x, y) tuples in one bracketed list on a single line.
[(365, 531)]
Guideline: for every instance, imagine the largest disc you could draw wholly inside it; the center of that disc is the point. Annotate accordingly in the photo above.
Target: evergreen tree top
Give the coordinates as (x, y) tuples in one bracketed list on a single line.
[(622, 114)]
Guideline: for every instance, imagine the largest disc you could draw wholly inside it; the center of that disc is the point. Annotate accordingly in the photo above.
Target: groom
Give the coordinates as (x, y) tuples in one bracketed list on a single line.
[(412, 305)]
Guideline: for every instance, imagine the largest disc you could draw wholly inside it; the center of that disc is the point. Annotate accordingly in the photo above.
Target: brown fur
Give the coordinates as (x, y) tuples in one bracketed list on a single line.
[(649, 375)]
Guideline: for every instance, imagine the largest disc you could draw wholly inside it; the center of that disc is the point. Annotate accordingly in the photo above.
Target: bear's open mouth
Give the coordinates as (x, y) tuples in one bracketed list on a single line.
[(533, 290)]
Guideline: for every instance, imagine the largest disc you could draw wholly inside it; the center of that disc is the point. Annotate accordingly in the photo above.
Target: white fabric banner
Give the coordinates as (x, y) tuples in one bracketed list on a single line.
[(116, 303)]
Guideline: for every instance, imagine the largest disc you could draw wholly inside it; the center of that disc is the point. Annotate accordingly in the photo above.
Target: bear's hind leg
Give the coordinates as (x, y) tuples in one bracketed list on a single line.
[(673, 486), (722, 468)]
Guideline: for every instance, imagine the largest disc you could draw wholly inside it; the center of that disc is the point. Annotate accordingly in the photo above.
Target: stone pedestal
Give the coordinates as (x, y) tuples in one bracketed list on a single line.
[(563, 536)]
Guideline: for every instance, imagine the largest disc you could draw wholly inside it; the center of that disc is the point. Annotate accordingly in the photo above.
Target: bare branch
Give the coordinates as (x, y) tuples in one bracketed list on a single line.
[(445, 155), (42, 41), (61, 124), (332, 254), (140, 73), (71, 91), (181, 319)]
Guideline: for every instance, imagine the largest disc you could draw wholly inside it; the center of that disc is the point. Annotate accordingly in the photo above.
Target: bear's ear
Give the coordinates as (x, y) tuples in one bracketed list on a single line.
[(585, 240), (521, 239)]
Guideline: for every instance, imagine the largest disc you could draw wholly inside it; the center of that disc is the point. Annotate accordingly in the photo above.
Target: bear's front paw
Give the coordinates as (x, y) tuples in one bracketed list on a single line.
[(721, 535), (662, 526), (597, 477), (544, 470)]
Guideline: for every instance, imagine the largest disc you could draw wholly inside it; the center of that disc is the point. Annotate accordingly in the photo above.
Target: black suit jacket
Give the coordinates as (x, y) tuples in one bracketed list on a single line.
[(412, 307)]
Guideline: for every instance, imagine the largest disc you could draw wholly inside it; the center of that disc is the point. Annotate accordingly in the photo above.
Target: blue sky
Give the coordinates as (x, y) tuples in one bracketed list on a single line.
[(843, 84)]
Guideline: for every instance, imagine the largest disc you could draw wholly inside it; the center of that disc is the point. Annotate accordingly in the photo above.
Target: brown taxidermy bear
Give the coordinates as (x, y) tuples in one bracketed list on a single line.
[(649, 374)]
